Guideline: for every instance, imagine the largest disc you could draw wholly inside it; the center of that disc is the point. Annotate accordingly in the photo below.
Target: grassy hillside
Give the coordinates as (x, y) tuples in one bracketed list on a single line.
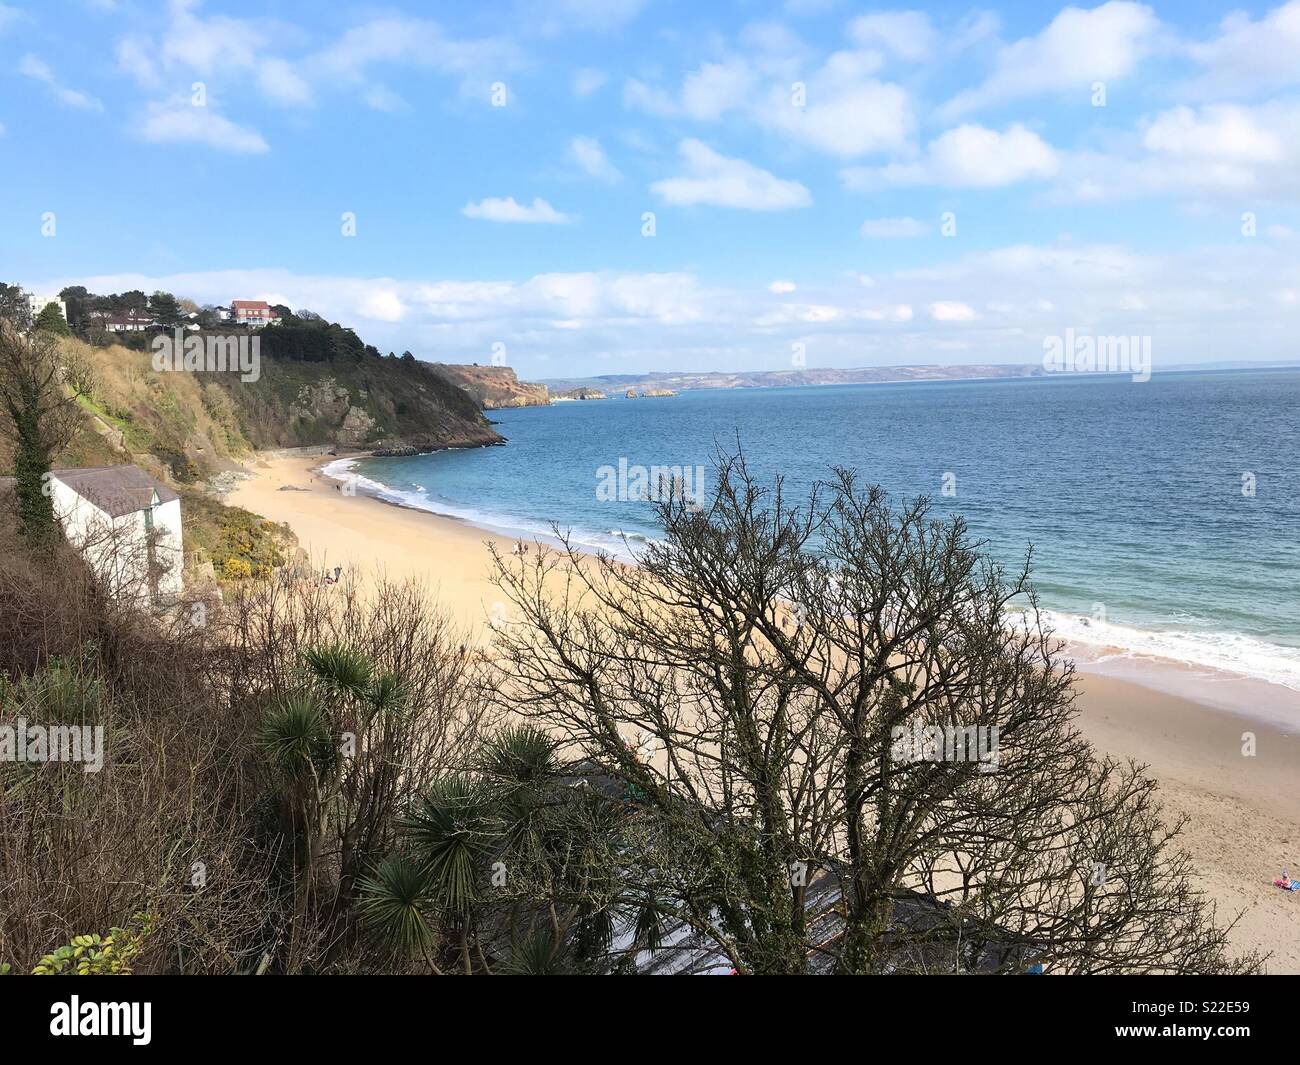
[(196, 424), (186, 428)]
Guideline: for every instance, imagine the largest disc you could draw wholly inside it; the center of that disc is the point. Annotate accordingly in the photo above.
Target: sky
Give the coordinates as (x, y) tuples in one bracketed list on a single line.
[(613, 186)]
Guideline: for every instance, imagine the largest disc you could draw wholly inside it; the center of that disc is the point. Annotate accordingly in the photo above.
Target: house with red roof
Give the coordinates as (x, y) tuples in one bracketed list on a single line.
[(255, 313)]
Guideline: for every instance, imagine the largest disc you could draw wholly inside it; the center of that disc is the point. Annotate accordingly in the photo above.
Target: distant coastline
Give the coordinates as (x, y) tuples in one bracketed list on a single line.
[(617, 384)]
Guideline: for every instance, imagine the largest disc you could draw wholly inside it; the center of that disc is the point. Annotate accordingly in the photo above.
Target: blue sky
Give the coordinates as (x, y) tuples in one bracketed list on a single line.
[(1115, 169)]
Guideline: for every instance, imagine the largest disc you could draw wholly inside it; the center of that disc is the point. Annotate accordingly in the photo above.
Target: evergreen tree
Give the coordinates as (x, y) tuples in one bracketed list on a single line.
[(51, 320)]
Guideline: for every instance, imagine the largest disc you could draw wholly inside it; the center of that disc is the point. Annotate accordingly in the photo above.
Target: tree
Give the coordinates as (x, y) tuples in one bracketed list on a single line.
[(834, 694), (51, 320), (504, 867), (14, 306), (79, 302), (40, 386), (165, 308), (132, 302)]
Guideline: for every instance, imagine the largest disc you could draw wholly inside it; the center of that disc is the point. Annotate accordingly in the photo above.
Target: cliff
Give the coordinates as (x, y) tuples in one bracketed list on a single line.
[(578, 394), (494, 387), (200, 423)]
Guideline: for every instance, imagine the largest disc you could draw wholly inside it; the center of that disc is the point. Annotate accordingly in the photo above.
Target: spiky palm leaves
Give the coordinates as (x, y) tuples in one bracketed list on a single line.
[(341, 670), (454, 831), (510, 851), (296, 738), (329, 745), (397, 903)]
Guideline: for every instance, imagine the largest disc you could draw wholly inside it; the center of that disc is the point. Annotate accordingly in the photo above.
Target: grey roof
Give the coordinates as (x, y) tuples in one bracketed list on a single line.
[(116, 490)]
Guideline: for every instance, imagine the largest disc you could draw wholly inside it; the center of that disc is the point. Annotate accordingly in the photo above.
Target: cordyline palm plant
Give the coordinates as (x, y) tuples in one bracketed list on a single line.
[(329, 744), (514, 867)]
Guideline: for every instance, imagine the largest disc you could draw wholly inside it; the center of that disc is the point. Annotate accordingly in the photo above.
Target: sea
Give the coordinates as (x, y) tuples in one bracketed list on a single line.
[(1164, 515)]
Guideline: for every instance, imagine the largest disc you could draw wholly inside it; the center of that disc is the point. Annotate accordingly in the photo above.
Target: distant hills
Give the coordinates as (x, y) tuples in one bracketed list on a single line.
[(792, 378)]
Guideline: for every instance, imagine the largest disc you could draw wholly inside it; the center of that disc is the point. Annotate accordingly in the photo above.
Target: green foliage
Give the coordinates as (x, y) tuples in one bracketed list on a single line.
[(312, 341), (64, 692), (238, 542), (453, 831), (397, 903), (14, 305), (165, 308), (51, 320), (296, 739), (519, 755), (96, 955), (540, 954), (340, 670)]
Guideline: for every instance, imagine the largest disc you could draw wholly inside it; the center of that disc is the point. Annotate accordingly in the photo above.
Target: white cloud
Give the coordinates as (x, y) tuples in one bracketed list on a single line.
[(36, 69), (969, 156), (891, 228), (1250, 54), (782, 288), (1196, 304), (383, 305), (232, 53), (841, 108), (1077, 48), (715, 179), (496, 209), (282, 83), (952, 311), (592, 160), (1213, 152), (179, 122), (908, 34), (844, 116), (588, 81), (1222, 132)]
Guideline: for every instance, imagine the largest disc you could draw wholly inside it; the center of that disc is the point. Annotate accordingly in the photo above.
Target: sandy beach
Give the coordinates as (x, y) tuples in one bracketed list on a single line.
[(1243, 811)]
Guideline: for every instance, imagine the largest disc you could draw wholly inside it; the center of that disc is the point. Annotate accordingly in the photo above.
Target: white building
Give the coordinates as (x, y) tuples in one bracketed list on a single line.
[(38, 303), (127, 526)]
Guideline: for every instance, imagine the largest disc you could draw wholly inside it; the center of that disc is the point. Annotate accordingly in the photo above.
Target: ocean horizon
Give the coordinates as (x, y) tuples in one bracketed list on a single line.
[(1161, 514)]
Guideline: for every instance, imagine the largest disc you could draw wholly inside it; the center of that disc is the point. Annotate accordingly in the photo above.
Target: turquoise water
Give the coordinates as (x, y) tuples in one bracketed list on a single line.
[(1131, 493)]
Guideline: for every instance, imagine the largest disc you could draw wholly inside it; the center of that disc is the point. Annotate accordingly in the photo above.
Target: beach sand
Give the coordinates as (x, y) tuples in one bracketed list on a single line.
[(1243, 812)]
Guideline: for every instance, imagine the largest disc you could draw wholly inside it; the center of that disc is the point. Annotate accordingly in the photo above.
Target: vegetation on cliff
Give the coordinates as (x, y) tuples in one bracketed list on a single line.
[(494, 387)]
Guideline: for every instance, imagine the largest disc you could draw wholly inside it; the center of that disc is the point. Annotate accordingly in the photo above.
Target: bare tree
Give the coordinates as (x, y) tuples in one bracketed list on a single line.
[(40, 385), (841, 694)]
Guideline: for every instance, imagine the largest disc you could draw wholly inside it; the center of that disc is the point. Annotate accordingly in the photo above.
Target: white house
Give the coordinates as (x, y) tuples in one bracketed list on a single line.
[(38, 303), (127, 526), (130, 322)]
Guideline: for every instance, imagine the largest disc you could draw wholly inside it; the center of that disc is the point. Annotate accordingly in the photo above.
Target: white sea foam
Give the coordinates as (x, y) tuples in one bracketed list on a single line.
[(1227, 652), (1094, 641), (611, 542)]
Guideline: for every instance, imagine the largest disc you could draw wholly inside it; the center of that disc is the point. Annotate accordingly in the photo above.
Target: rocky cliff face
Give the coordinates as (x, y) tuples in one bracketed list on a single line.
[(197, 424), (494, 387)]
